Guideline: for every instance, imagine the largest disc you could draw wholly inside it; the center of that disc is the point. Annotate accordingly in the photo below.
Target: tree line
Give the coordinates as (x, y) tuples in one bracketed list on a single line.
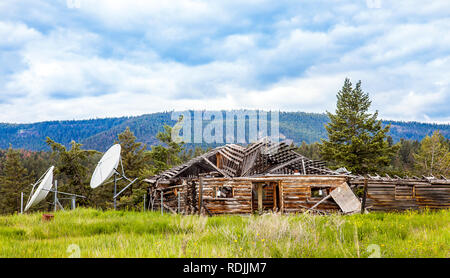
[(74, 167), (99, 134)]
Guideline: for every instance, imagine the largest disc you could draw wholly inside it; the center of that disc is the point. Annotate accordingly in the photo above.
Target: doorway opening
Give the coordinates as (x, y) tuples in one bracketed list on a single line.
[(266, 196)]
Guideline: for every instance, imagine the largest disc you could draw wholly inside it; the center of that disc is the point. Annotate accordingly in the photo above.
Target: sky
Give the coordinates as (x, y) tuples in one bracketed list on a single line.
[(83, 59)]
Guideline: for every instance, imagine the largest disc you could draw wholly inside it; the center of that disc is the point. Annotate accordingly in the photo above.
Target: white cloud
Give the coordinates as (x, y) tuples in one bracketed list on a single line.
[(116, 57), (14, 34)]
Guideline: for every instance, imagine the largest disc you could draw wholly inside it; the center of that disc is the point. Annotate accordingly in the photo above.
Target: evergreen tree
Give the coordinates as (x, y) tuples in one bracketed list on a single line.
[(134, 157), (311, 151), (14, 180), (433, 157), (72, 164), (168, 154), (356, 139), (199, 151), (403, 163), (173, 148), (135, 160)]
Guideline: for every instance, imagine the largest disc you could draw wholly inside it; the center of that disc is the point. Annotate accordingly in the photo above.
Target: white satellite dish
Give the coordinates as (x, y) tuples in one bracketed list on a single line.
[(107, 167), (45, 184)]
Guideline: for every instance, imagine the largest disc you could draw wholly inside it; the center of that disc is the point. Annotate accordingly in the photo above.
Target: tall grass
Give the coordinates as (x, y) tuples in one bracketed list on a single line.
[(136, 234)]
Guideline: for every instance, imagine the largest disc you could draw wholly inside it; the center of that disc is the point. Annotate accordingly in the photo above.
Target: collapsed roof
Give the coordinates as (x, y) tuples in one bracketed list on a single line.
[(263, 157)]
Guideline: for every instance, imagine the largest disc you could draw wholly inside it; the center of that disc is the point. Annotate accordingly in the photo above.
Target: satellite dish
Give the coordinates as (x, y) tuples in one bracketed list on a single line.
[(45, 184), (107, 166), (43, 189)]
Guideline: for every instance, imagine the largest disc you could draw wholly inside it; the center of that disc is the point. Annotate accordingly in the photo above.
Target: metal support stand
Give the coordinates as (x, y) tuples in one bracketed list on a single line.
[(56, 194), (74, 205), (71, 197), (143, 207), (122, 176), (115, 192), (21, 202)]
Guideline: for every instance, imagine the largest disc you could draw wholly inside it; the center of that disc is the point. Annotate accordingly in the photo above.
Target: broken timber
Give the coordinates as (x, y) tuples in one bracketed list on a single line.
[(271, 176), (346, 199)]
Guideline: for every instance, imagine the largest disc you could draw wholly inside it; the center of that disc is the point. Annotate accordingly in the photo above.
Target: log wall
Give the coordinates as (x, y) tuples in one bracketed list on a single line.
[(240, 203), (403, 194), (296, 193)]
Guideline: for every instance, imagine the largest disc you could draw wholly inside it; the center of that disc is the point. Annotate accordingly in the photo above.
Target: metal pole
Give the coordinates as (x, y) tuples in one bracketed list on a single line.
[(21, 202), (56, 195), (125, 188), (144, 202), (73, 203), (115, 191)]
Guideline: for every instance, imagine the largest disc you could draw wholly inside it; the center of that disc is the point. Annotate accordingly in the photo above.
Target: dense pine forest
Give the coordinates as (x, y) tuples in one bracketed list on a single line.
[(99, 134)]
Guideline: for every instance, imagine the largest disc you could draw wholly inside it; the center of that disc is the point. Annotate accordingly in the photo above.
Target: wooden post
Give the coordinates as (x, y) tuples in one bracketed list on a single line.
[(363, 203), (200, 195), (179, 201), (281, 196), (162, 202), (260, 198), (275, 197)]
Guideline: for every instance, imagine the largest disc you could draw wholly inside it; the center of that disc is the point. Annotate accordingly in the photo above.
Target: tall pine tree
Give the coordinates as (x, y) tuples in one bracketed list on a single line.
[(356, 139), (72, 164), (168, 154), (134, 157), (14, 180), (135, 160)]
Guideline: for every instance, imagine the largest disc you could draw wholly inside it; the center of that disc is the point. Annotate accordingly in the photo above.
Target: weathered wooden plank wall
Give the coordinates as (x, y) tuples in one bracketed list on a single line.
[(240, 203), (296, 193), (403, 194)]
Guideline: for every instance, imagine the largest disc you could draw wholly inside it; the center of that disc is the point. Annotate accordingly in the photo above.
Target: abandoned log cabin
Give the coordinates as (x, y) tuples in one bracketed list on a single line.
[(269, 176)]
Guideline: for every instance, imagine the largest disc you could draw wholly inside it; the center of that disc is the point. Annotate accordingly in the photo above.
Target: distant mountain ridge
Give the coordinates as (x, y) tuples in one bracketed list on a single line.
[(99, 134)]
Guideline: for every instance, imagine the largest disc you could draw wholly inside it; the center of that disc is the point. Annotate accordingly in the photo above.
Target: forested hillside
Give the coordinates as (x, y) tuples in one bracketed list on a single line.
[(99, 134)]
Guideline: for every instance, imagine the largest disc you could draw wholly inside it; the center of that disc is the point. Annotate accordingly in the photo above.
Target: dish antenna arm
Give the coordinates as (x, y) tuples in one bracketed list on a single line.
[(121, 176), (125, 188), (64, 193)]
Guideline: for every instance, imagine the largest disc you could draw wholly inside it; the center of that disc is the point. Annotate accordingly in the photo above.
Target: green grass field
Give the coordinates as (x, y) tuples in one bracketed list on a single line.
[(91, 233)]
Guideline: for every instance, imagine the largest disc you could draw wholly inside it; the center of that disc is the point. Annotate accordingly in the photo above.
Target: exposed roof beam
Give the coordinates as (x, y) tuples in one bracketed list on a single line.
[(285, 164), (215, 167)]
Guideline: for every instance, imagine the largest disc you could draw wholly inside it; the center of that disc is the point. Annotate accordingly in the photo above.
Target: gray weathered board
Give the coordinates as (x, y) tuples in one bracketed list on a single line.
[(346, 199)]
